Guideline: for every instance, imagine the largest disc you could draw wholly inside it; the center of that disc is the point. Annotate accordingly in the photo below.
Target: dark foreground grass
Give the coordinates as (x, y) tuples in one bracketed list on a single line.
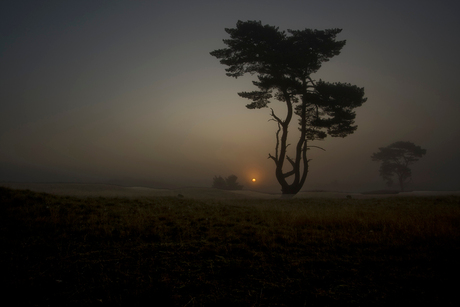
[(67, 251)]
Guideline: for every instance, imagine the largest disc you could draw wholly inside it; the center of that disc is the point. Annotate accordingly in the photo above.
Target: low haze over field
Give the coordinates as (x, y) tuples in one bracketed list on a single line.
[(126, 92)]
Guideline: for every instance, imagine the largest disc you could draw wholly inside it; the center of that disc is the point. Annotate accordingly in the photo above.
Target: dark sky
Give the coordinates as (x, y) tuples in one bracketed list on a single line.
[(127, 92)]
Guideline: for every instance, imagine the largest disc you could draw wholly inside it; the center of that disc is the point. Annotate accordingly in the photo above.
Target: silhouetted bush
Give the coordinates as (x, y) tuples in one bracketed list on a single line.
[(229, 183)]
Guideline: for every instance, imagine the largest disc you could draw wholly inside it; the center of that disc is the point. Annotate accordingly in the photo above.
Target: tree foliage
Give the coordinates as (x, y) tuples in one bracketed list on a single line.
[(229, 183), (283, 63), (396, 159)]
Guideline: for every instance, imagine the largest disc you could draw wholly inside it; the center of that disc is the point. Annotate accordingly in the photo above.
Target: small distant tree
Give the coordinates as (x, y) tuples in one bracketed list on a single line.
[(229, 183), (219, 183), (396, 159), (232, 183)]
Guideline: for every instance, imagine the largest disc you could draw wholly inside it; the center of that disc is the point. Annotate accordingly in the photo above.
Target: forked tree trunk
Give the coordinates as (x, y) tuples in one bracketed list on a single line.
[(300, 175), (298, 171)]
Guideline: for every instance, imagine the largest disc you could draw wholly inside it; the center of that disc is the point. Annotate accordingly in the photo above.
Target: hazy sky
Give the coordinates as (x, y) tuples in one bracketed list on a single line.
[(127, 92)]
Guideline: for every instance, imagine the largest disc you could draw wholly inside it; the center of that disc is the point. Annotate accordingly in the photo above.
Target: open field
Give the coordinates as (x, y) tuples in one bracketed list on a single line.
[(166, 250), (106, 190)]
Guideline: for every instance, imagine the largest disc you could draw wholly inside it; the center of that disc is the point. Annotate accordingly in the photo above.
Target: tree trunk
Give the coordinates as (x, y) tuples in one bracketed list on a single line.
[(401, 184), (280, 157), (296, 185)]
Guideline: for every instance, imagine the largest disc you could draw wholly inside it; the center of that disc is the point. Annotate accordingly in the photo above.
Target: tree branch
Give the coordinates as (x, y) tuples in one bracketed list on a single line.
[(285, 175), (290, 173), (290, 161), (317, 147), (271, 157), (276, 117), (277, 142), (311, 81)]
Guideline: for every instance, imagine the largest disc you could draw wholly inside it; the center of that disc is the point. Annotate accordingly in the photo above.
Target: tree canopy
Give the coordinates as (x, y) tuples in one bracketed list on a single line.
[(283, 63), (396, 159), (229, 183)]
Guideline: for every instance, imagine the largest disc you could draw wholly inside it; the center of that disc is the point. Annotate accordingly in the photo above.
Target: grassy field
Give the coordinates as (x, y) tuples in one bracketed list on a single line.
[(180, 251)]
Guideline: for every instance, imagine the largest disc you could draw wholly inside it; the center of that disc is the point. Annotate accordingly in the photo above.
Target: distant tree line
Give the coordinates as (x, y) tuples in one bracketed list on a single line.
[(229, 183)]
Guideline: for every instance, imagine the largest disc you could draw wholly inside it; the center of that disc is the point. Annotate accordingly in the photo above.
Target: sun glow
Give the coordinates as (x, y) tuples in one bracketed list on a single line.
[(253, 179)]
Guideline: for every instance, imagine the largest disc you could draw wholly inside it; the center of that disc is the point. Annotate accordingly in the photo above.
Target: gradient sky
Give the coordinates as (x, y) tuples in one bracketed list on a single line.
[(126, 91)]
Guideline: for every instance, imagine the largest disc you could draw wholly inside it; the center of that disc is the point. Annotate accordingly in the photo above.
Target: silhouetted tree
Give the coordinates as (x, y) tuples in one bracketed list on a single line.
[(284, 63), (232, 183), (396, 159), (219, 183), (229, 183)]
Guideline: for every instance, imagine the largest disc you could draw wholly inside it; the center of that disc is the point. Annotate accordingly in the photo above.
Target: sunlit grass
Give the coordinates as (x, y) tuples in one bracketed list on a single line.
[(244, 252)]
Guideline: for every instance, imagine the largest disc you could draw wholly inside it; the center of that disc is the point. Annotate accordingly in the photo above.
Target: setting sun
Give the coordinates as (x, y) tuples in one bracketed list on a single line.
[(253, 179)]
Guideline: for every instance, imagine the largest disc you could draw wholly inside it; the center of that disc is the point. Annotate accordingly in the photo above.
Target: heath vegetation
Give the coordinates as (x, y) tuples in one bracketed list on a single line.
[(171, 251)]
